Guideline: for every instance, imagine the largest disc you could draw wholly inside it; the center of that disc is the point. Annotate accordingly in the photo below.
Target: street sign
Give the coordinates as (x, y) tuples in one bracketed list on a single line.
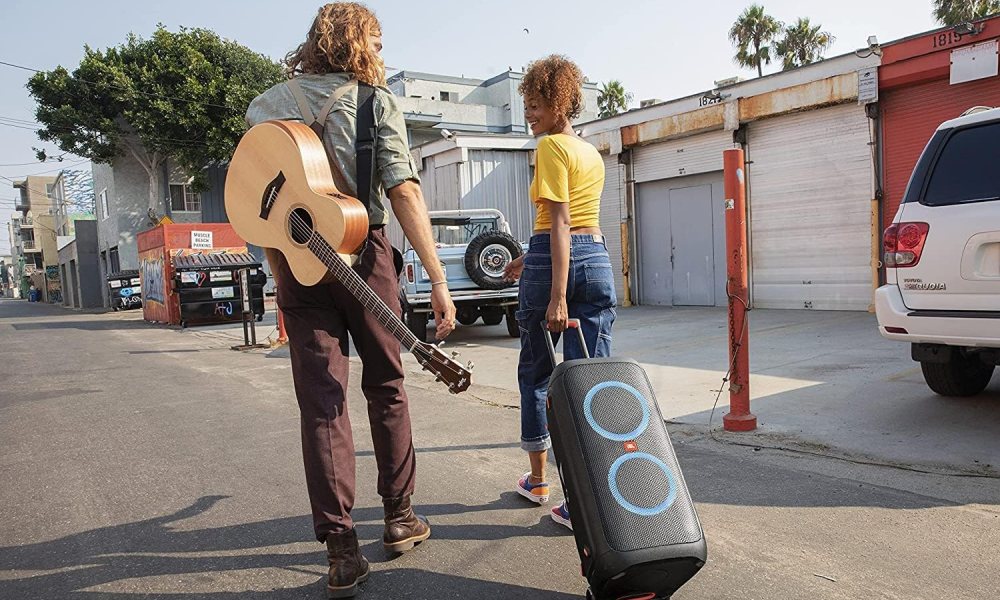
[(201, 240), (868, 85)]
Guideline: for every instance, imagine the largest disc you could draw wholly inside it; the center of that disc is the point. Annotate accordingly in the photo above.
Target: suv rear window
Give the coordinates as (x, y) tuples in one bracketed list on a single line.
[(966, 170)]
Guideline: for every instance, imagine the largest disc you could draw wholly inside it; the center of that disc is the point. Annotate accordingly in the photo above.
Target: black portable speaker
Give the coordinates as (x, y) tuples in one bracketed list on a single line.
[(636, 527)]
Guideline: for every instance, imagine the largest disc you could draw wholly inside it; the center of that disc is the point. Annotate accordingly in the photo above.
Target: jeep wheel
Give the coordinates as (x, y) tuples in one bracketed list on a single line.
[(963, 375), (486, 257), (511, 316), (492, 315), (467, 315), (414, 321)]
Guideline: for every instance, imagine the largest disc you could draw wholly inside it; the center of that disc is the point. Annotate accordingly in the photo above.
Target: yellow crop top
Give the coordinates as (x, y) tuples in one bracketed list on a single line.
[(567, 169)]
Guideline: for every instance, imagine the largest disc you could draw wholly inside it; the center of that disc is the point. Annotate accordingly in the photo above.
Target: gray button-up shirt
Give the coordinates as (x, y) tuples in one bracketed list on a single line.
[(393, 162)]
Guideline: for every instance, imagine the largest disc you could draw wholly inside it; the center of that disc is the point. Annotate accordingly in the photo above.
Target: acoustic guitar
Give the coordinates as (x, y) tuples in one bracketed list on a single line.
[(280, 194)]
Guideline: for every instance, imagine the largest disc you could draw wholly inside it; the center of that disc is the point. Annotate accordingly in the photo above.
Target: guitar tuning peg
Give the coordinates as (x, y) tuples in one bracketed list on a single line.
[(454, 354), (471, 366)]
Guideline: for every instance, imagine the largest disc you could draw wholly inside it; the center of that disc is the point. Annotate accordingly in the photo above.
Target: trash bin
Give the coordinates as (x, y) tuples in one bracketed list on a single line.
[(209, 287), (34, 296), (159, 250), (125, 290)]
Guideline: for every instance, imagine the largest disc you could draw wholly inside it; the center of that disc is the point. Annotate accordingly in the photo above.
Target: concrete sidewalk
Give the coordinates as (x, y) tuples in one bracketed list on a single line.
[(820, 381)]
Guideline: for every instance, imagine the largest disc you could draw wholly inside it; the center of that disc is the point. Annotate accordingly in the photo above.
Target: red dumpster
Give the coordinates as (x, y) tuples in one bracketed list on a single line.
[(159, 246)]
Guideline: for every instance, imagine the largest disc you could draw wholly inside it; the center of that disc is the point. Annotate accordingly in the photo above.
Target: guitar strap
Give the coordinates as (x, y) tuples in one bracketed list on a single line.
[(364, 145)]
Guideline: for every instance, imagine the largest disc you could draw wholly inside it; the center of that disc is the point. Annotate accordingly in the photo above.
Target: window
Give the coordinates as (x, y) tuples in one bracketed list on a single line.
[(965, 170), (103, 201), (183, 199), (449, 96)]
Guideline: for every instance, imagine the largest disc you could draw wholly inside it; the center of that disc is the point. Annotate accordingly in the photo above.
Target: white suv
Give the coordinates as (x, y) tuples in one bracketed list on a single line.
[(942, 258)]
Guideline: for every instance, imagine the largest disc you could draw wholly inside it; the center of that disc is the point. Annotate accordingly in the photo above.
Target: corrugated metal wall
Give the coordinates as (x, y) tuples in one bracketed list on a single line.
[(810, 210), (500, 179), (911, 116), (488, 179), (613, 212), (686, 156)]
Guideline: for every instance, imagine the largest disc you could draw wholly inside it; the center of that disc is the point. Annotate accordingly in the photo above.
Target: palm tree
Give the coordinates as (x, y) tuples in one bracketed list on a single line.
[(613, 99), (803, 44), (752, 33), (953, 12)]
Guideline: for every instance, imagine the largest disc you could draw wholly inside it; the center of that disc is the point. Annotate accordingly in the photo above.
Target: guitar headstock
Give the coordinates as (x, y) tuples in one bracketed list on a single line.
[(445, 368)]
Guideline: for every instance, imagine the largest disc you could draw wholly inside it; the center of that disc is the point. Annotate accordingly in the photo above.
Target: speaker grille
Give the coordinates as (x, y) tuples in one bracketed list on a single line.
[(640, 492)]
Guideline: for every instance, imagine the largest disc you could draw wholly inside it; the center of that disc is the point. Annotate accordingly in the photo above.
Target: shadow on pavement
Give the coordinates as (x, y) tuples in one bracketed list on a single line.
[(78, 563), (91, 325)]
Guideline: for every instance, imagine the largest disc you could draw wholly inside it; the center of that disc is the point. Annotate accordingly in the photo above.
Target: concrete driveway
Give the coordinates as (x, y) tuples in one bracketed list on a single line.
[(823, 381)]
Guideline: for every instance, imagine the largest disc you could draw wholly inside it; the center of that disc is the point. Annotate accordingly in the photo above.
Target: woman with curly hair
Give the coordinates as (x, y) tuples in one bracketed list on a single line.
[(566, 273), (335, 77)]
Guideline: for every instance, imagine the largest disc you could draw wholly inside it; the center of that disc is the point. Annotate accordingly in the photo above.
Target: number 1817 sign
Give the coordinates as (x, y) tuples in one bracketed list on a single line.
[(201, 240)]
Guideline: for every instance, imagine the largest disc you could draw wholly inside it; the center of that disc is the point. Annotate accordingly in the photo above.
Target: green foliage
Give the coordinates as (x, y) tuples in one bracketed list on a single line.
[(802, 44), (954, 12), (180, 94), (752, 34), (612, 99)]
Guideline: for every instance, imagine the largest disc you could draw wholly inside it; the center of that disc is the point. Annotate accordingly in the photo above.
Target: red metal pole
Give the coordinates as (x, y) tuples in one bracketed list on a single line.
[(282, 336), (739, 417)]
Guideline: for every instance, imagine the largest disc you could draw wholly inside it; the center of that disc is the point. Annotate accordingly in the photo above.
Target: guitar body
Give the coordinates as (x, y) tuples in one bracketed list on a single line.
[(279, 190), (280, 194)]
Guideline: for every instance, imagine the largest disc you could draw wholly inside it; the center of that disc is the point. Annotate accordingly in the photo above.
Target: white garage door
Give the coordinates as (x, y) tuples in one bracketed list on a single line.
[(685, 156), (612, 214), (810, 215)]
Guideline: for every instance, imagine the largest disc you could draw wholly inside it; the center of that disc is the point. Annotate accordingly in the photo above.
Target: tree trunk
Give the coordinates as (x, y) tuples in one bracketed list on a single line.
[(151, 164)]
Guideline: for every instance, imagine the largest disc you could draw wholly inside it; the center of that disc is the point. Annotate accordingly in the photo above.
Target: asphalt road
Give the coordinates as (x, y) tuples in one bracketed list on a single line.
[(141, 461)]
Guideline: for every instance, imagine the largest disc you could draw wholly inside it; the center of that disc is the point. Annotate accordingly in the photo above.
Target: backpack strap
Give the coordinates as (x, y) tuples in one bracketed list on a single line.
[(364, 146), (300, 98)]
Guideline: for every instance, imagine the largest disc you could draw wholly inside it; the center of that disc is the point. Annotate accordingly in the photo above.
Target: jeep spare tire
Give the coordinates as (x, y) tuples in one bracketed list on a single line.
[(486, 257)]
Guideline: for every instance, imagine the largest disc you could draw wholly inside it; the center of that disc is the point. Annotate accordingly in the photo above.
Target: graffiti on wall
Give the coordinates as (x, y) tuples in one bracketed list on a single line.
[(53, 285), (152, 278)]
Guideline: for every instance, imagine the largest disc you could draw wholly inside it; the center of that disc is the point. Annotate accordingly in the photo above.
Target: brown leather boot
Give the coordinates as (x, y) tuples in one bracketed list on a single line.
[(348, 567), (403, 529)]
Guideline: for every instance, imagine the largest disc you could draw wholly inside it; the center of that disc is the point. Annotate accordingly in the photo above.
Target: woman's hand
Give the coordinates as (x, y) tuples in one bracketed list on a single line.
[(557, 315), (512, 272)]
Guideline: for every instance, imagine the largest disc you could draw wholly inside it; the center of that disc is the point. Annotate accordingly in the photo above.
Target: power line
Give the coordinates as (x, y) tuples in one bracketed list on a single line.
[(193, 143), (118, 87)]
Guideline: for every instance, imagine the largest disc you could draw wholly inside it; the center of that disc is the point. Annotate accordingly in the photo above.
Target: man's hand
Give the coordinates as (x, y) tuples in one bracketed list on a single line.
[(557, 315), (512, 272), (444, 311)]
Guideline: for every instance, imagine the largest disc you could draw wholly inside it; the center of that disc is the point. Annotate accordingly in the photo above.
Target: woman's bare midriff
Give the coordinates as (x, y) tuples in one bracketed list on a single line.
[(575, 231)]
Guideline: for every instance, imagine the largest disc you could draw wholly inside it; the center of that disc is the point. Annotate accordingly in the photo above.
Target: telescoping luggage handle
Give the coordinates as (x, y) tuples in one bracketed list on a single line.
[(570, 324)]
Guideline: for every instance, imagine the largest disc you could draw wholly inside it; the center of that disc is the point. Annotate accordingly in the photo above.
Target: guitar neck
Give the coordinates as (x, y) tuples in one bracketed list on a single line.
[(368, 298)]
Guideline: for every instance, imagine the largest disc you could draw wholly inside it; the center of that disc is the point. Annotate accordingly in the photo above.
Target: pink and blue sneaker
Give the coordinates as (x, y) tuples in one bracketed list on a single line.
[(536, 492), (560, 514)]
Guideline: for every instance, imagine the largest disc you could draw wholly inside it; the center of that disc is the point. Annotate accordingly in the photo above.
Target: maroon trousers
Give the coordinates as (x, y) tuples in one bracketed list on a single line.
[(318, 320)]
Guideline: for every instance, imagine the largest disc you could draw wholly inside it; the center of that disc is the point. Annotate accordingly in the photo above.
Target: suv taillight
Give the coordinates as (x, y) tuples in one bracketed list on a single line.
[(903, 243), (409, 273)]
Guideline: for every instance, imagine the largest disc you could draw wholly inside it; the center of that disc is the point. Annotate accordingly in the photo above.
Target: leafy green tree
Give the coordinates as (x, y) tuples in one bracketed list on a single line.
[(954, 12), (803, 44), (612, 99), (752, 33), (179, 95)]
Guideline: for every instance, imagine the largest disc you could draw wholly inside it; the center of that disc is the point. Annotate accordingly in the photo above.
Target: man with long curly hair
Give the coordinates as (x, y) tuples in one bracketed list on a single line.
[(337, 73)]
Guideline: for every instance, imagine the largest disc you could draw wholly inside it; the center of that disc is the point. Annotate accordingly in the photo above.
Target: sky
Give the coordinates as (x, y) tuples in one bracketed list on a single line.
[(658, 49)]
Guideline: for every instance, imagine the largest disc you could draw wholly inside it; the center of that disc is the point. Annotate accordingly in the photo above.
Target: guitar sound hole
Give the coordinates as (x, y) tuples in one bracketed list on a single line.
[(300, 225)]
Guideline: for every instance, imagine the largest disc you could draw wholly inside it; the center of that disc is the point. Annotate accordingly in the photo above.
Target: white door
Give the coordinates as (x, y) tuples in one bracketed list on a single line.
[(612, 214), (810, 210)]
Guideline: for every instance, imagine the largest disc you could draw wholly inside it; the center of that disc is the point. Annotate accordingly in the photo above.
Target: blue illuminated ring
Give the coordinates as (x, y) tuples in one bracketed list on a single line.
[(616, 437), (644, 512)]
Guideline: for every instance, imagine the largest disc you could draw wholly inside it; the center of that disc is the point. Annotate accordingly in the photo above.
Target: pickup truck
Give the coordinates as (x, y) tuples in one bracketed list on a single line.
[(474, 247)]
